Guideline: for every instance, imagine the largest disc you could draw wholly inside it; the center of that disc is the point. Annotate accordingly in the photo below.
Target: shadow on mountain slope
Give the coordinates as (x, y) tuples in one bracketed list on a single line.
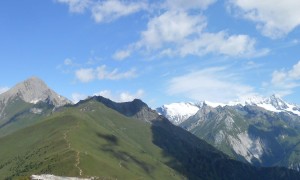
[(112, 148)]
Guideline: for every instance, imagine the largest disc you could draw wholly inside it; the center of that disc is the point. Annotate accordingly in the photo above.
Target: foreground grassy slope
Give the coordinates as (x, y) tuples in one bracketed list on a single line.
[(89, 140)]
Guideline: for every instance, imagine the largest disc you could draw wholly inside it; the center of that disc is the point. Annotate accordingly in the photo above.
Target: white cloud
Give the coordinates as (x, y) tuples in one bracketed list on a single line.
[(105, 11), (286, 80), (3, 89), (274, 18), (125, 96), (76, 6), (120, 55), (121, 97), (101, 73), (188, 4), (178, 33), (68, 62), (76, 97), (171, 27), (85, 75), (212, 84)]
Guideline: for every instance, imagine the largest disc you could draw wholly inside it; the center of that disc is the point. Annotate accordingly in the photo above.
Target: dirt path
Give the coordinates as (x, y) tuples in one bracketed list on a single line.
[(77, 161)]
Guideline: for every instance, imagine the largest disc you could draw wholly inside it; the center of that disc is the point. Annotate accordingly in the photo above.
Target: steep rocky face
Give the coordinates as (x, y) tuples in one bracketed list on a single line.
[(33, 90), (250, 133)]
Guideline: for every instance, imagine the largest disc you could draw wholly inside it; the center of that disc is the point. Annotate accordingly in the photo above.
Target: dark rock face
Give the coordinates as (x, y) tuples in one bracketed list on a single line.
[(136, 109)]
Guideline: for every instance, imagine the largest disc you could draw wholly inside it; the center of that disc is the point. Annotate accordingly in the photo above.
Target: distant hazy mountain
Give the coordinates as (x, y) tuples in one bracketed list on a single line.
[(261, 131), (273, 103), (33, 90), (107, 140)]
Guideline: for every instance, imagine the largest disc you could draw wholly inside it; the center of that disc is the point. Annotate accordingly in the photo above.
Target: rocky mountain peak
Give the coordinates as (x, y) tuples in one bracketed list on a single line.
[(34, 90), (277, 102)]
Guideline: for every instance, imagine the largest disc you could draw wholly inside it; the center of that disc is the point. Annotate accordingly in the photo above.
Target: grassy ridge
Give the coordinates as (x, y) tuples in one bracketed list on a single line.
[(90, 131)]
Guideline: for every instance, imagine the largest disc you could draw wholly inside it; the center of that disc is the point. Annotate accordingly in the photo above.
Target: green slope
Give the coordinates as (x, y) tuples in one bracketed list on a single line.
[(18, 114)]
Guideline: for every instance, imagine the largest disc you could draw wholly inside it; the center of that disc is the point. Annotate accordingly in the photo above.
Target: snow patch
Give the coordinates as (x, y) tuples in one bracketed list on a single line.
[(36, 110), (295, 166), (178, 112), (214, 104), (35, 101), (53, 177)]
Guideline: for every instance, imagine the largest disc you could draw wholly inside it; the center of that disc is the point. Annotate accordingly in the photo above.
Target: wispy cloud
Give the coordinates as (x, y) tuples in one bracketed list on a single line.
[(120, 55), (274, 18), (101, 73), (106, 10), (85, 75), (223, 44), (68, 62), (76, 6), (76, 97), (188, 4), (215, 84)]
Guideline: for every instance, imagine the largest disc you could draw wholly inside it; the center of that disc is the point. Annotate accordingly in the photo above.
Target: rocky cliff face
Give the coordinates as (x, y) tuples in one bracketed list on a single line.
[(250, 133)]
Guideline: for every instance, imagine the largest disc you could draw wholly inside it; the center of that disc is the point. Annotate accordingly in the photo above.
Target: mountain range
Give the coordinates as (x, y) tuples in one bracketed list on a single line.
[(179, 112), (260, 131), (42, 133)]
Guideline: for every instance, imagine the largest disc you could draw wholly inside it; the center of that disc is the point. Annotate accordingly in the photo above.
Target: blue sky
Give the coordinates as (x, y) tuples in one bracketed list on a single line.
[(160, 51)]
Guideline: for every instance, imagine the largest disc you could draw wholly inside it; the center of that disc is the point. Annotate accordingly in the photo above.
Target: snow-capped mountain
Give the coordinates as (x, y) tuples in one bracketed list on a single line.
[(257, 130), (178, 112), (273, 103)]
